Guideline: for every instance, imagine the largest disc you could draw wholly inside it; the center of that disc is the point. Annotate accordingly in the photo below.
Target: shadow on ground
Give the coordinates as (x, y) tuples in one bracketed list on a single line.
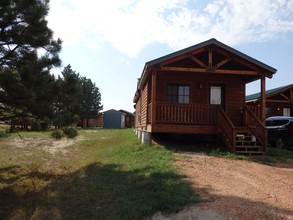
[(106, 192), (95, 192), (188, 142)]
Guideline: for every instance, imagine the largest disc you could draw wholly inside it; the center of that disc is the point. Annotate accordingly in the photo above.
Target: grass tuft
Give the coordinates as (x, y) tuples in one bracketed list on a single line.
[(220, 153)]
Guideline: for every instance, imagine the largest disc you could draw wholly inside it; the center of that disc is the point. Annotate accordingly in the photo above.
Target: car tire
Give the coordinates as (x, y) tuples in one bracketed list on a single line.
[(281, 143)]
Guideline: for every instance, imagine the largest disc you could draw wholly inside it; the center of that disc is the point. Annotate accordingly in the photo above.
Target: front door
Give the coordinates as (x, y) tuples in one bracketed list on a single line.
[(216, 98)]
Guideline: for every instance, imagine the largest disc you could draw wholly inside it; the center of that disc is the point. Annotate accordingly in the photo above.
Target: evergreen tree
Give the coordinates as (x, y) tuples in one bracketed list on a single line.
[(90, 105), (26, 86), (27, 91), (24, 32), (69, 98)]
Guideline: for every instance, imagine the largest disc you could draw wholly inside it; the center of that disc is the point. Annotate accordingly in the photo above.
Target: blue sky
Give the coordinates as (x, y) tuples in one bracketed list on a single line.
[(110, 41)]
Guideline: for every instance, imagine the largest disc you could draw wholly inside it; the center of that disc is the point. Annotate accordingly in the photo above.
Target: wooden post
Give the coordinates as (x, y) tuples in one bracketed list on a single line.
[(153, 97), (210, 58), (263, 111), (263, 99)]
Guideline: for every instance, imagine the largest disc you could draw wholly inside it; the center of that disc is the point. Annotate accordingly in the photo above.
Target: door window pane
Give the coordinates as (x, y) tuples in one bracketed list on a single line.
[(216, 96)]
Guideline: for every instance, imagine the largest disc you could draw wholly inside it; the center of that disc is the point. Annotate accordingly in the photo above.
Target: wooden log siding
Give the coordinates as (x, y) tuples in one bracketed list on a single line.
[(144, 105), (138, 113), (149, 113), (192, 114)]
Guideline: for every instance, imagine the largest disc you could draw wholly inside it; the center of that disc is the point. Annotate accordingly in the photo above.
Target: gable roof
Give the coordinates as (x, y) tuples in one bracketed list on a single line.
[(113, 110), (207, 43), (271, 92), (212, 41), (126, 112), (265, 69)]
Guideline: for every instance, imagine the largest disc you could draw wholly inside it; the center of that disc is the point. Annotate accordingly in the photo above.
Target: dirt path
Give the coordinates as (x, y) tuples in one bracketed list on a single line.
[(235, 189)]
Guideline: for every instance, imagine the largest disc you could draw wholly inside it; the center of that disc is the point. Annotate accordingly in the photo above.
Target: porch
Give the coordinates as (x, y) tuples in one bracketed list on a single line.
[(209, 119)]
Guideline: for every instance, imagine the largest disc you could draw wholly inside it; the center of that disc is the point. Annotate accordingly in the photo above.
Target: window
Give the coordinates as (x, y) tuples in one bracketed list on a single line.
[(286, 112), (178, 94)]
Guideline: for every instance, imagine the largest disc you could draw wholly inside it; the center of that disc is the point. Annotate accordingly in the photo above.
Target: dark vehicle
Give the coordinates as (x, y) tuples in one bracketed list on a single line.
[(280, 131)]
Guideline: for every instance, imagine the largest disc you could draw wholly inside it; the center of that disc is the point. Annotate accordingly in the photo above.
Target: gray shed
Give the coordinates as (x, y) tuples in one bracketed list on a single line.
[(114, 119)]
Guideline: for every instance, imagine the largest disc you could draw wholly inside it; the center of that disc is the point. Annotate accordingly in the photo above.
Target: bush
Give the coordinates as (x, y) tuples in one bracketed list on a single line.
[(71, 132), (4, 134), (57, 134)]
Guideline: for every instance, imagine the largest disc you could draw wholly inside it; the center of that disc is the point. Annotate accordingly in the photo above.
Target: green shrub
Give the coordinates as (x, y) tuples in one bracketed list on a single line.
[(57, 134), (4, 133), (71, 132)]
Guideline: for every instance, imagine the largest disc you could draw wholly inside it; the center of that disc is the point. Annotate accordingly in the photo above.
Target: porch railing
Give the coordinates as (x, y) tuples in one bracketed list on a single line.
[(193, 114), (228, 129), (256, 110), (256, 127)]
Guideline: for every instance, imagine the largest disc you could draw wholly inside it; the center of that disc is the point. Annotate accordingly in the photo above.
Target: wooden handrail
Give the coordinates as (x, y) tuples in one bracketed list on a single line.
[(255, 109), (193, 114), (256, 127), (227, 128)]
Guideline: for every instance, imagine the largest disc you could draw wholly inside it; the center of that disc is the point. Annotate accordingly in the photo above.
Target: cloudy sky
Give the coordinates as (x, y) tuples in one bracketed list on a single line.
[(110, 41)]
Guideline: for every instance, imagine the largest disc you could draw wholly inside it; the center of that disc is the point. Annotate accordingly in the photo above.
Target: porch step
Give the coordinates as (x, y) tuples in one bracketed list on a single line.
[(248, 148), (246, 143), (251, 153)]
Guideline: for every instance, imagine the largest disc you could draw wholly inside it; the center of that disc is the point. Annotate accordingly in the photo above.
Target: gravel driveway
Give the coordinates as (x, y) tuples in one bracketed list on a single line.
[(236, 189)]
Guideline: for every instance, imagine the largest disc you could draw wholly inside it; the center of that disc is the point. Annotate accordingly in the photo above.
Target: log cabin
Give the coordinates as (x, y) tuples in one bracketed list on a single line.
[(201, 90), (279, 101)]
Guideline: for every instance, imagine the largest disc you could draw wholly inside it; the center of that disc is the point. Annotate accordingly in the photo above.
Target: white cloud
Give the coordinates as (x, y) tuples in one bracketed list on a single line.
[(130, 25)]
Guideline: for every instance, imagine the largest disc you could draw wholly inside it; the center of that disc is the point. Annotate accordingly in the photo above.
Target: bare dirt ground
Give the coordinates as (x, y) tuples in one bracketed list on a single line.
[(236, 189)]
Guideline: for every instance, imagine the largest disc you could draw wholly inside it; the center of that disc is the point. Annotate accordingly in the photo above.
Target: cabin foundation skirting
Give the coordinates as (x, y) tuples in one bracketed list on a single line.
[(146, 137), (139, 133)]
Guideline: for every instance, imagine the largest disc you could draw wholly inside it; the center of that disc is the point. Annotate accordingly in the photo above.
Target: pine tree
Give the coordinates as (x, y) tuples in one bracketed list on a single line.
[(90, 105), (24, 31), (69, 98), (26, 86)]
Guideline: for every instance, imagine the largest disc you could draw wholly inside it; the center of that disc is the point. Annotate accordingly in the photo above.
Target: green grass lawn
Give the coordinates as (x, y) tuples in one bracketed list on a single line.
[(106, 174)]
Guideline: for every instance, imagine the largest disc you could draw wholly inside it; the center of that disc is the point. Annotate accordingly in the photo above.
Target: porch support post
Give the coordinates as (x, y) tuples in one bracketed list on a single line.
[(263, 99), (153, 97), (263, 111)]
